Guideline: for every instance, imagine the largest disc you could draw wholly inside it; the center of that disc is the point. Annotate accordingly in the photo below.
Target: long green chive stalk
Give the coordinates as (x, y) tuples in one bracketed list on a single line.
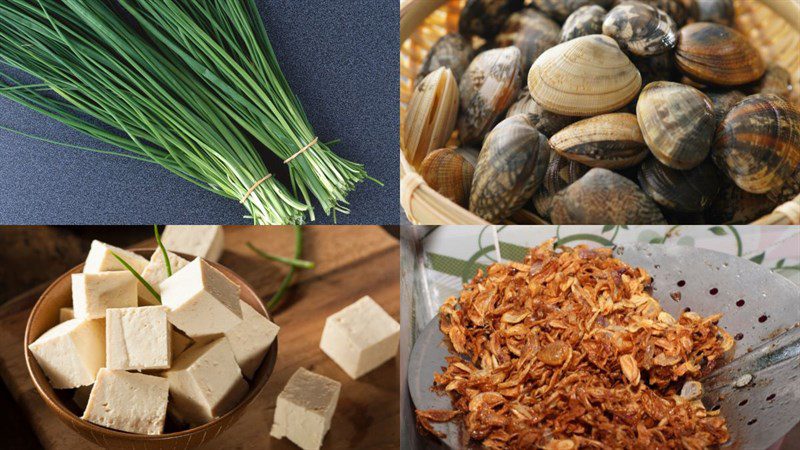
[(163, 251), (138, 277), (277, 298), (168, 101), (294, 262), (225, 43)]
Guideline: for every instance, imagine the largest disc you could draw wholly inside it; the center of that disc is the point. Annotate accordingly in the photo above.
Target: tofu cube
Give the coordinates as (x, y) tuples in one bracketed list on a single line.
[(204, 241), (305, 408), (138, 338), (71, 353), (205, 382), (100, 259), (155, 272), (93, 293), (202, 302), (360, 337), (65, 314), (251, 339), (132, 402), (179, 344)]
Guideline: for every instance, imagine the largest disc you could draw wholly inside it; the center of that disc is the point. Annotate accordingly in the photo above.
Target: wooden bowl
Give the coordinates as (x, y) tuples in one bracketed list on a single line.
[(45, 315)]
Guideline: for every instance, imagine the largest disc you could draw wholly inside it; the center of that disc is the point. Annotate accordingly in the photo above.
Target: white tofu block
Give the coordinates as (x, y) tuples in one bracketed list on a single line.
[(132, 402), (81, 396), (71, 353), (138, 338), (93, 293), (360, 337), (205, 241), (179, 344), (202, 301), (304, 409), (100, 259), (65, 314), (205, 382), (251, 339), (155, 272)]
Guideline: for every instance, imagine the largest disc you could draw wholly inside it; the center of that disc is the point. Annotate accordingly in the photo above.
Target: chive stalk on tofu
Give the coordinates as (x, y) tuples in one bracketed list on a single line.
[(138, 277), (194, 93), (163, 251)]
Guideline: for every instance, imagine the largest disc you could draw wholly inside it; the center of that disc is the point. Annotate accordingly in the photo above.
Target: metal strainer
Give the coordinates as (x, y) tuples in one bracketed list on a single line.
[(758, 392)]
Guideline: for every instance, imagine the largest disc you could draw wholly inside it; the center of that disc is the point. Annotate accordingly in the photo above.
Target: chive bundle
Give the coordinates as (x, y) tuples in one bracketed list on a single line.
[(191, 95)]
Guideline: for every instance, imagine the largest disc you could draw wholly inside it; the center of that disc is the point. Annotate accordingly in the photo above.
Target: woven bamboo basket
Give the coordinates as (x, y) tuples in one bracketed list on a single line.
[(773, 26)]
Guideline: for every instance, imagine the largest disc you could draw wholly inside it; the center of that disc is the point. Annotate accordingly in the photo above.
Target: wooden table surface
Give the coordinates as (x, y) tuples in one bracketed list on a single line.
[(351, 262)]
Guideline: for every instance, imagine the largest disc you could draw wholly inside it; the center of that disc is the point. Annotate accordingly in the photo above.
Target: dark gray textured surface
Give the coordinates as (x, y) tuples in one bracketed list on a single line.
[(340, 58)]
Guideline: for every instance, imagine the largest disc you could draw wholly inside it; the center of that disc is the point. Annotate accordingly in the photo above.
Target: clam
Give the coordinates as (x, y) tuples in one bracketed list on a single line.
[(531, 32), (431, 115), (586, 76), (449, 172), (584, 21), (640, 29), (675, 9), (612, 141), (604, 197), (734, 205), (510, 168), (487, 88), (561, 172), (788, 190), (723, 101), (484, 18), (776, 80), (758, 143), (711, 53), (686, 191), (452, 51), (717, 11), (545, 121), (677, 122), (561, 9)]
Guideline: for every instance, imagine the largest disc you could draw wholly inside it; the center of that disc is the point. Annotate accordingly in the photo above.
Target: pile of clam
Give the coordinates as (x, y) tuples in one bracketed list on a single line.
[(601, 112)]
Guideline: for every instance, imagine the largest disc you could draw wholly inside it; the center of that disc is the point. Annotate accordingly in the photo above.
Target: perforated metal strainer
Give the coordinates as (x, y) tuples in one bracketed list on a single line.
[(758, 392)]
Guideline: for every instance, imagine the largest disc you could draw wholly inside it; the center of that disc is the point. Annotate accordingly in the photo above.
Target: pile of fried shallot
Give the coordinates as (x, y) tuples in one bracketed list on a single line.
[(569, 350)]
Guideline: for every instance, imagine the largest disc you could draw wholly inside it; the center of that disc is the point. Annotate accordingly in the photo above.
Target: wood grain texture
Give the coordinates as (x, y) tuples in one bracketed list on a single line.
[(351, 262)]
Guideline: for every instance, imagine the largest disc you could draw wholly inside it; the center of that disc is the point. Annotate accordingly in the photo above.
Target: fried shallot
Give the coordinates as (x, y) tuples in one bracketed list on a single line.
[(569, 350)]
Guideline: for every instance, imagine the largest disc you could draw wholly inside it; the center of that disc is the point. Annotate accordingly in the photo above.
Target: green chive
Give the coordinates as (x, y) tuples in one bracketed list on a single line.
[(138, 277), (163, 251), (277, 298), (294, 262)]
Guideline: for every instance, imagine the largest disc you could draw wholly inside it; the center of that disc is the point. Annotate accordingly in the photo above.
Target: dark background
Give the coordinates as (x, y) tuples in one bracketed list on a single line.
[(340, 58)]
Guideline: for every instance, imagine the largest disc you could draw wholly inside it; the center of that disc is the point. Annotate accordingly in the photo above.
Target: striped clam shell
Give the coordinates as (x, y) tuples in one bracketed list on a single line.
[(586, 76), (531, 32), (484, 18), (452, 51), (561, 172), (602, 197), (559, 10), (549, 123), (431, 115), (511, 166), (584, 21), (758, 143), (675, 9), (612, 141), (714, 54), (487, 88), (677, 122), (685, 191), (641, 29), (449, 172)]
